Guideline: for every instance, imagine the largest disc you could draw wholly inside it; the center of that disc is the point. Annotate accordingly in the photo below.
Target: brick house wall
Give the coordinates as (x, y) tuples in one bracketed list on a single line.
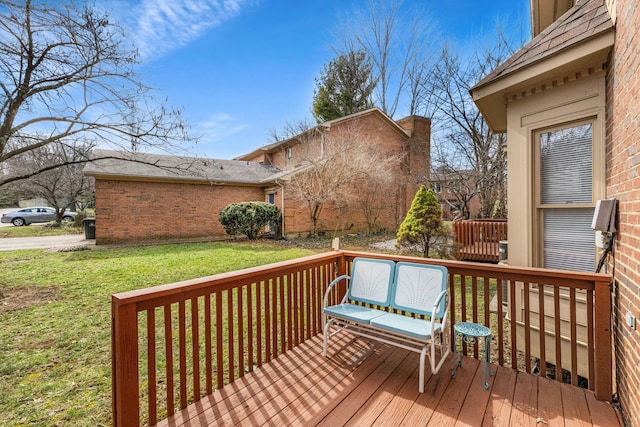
[(370, 128), (139, 211), (136, 203), (623, 183)]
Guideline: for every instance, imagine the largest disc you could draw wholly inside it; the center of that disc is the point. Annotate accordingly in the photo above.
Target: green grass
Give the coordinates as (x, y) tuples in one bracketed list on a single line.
[(55, 361), (35, 230)]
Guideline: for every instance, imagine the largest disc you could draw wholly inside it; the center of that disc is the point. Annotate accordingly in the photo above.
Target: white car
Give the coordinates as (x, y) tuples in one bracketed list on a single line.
[(28, 216)]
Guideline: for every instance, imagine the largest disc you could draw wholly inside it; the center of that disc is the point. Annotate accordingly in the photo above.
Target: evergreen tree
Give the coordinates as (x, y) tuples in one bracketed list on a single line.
[(345, 87), (423, 222)]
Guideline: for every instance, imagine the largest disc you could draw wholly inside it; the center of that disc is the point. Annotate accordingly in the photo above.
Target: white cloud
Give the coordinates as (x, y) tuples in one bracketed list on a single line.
[(163, 25), (214, 135)]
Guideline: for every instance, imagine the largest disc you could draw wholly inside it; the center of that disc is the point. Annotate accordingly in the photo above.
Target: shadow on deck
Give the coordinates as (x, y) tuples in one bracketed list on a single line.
[(364, 383)]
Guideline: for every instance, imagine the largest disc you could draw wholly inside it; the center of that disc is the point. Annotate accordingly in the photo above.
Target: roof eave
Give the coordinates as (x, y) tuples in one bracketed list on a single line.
[(176, 179), (490, 97)]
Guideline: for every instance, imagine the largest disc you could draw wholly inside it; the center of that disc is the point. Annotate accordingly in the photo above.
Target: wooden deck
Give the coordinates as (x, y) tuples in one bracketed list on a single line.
[(367, 384)]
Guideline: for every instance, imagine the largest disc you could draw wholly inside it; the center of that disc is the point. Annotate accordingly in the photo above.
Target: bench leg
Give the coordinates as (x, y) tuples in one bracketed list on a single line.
[(423, 354), (325, 337)]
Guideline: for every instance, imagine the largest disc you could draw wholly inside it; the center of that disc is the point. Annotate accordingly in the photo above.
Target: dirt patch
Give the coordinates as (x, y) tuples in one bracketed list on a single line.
[(12, 299)]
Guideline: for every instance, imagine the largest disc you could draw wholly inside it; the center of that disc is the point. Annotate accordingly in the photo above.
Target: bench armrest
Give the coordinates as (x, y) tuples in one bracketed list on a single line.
[(331, 285), (442, 298)]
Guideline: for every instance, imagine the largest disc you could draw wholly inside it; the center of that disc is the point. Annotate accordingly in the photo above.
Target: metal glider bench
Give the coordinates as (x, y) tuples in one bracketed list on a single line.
[(416, 290)]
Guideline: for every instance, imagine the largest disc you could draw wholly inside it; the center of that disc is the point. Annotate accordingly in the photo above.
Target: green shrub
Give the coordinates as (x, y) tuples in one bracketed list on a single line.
[(423, 223), (248, 218)]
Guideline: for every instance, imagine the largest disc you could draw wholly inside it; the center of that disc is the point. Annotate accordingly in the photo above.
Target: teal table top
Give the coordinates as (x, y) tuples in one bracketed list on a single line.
[(472, 329)]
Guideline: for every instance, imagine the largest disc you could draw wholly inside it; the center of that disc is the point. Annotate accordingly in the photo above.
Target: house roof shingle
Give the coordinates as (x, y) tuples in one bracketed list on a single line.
[(175, 168), (579, 40), (588, 18)]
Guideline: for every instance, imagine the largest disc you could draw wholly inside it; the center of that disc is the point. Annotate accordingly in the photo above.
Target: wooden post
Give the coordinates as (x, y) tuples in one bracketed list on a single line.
[(124, 364), (602, 331)]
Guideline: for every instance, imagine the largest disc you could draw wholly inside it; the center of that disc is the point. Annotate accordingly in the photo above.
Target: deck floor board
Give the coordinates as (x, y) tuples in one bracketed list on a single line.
[(368, 383)]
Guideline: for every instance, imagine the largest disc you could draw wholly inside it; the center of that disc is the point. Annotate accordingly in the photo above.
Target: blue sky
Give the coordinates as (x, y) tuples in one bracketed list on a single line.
[(239, 68)]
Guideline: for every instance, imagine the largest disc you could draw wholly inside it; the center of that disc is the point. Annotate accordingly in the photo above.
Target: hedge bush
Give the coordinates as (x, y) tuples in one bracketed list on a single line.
[(248, 218)]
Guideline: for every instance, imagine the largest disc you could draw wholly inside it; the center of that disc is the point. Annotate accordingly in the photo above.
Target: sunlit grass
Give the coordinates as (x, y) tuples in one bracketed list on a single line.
[(55, 357)]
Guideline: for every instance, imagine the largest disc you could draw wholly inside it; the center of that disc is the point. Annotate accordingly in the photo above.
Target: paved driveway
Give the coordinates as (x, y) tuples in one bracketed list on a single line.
[(44, 242)]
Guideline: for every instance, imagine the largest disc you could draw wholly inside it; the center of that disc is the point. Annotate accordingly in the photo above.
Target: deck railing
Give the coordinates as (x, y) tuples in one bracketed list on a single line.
[(478, 240), (174, 344)]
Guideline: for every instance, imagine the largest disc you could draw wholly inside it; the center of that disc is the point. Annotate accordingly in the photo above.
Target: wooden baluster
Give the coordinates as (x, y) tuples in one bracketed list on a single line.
[(259, 316), (463, 302), (230, 337), (151, 366), (452, 304), (308, 274), (277, 287), (250, 325), (574, 336), (168, 349), (267, 317), (182, 333), (500, 324), (512, 326), (219, 340), (558, 332), (288, 289), (195, 348), (527, 327), (240, 329), (543, 334), (474, 308), (208, 368), (590, 339)]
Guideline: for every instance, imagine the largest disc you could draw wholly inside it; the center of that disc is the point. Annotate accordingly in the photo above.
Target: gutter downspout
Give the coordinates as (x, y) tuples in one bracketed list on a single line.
[(279, 183)]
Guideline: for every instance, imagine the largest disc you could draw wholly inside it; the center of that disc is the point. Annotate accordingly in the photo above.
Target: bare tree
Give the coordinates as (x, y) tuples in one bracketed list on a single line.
[(399, 42), (61, 186), (468, 142), (331, 172), (68, 73), (460, 184), (290, 129)]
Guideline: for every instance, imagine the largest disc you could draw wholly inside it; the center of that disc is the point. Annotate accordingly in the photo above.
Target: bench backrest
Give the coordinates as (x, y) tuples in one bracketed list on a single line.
[(371, 281), (417, 286)]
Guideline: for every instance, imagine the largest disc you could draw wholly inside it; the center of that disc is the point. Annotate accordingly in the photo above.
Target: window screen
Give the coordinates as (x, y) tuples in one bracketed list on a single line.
[(566, 178), (566, 165), (569, 239)]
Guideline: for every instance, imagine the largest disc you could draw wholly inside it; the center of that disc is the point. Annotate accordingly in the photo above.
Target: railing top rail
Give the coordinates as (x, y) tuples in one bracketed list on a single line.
[(576, 279), (501, 220), (173, 292), (186, 289)]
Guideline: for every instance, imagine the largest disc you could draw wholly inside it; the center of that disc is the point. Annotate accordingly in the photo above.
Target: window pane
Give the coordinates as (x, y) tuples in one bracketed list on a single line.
[(566, 165), (569, 239)]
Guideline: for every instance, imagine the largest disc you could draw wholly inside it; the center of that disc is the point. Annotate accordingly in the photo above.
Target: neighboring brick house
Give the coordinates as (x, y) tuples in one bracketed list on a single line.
[(408, 140), (153, 197), (457, 193), (569, 102), (181, 199)]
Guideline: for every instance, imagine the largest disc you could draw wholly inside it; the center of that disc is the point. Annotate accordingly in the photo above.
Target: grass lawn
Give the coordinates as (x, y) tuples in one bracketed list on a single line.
[(55, 361)]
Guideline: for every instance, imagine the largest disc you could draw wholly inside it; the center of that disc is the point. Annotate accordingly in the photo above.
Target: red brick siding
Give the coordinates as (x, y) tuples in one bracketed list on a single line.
[(374, 130), (623, 183), (129, 211), (187, 211)]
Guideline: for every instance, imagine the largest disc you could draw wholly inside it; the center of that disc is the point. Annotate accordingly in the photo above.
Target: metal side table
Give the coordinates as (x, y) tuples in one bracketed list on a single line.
[(470, 333)]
